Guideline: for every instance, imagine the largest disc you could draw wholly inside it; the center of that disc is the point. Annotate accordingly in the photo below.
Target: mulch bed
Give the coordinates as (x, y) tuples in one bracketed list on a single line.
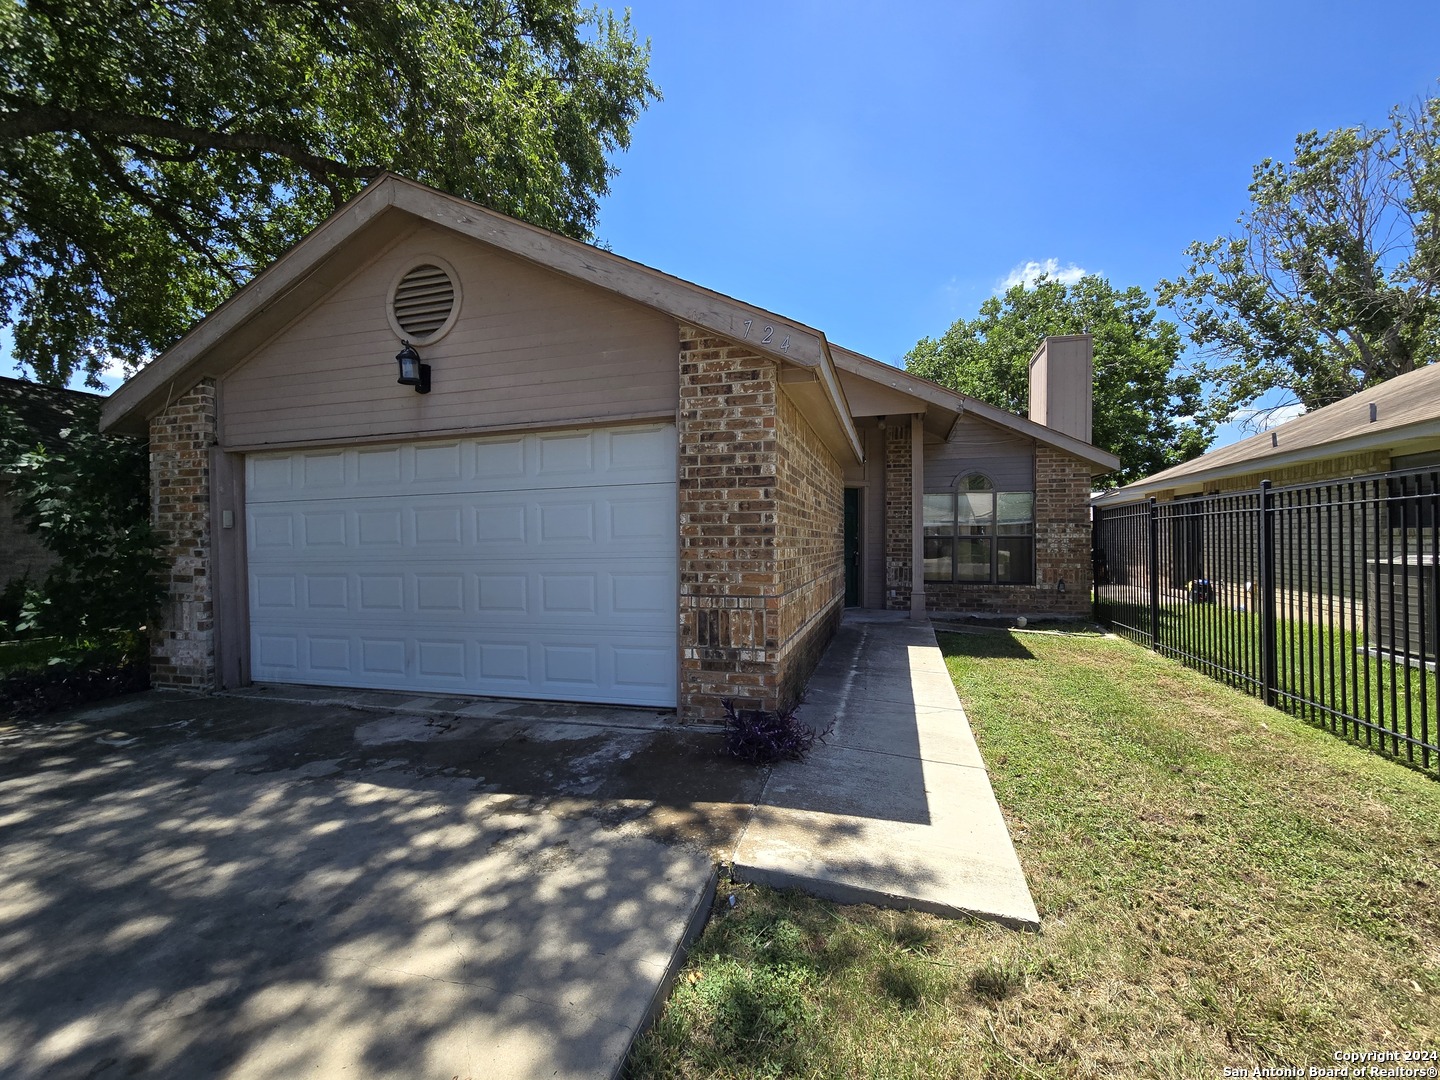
[(27, 693)]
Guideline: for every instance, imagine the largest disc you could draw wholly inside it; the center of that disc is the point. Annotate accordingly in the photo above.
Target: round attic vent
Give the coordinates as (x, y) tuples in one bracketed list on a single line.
[(424, 301)]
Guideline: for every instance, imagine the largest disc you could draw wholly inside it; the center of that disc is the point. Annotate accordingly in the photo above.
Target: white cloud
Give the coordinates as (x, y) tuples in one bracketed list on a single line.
[(112, 374), (1263, 418), (1028, 273)]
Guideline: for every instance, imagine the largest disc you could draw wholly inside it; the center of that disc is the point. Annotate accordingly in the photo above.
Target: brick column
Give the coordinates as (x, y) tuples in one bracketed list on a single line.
[(182, 646), (899, 516), (1062, 530), (729, 578)]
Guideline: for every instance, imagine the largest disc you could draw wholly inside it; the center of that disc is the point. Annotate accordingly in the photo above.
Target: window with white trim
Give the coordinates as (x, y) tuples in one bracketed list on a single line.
[(977, 535)]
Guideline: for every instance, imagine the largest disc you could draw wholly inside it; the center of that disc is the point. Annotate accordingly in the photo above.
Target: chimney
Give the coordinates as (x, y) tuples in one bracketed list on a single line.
[(1062, 374)]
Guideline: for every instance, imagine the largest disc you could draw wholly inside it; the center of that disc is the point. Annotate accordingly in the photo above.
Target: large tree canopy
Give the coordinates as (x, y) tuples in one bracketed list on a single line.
[(1332, 281), (1143, 409), (156, 154)]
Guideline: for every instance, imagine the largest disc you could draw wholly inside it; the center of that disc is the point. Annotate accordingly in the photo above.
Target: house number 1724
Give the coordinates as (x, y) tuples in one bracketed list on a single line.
[(767, 335)]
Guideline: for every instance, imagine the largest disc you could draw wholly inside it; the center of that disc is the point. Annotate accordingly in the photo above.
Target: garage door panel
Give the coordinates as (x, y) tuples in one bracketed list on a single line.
[(609, 521), (519, 463), (516, 566), (631, 668), (532, 595)]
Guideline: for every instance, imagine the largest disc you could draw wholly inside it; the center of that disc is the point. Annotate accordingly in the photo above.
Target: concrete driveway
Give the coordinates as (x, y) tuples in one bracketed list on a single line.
[(251, 888)]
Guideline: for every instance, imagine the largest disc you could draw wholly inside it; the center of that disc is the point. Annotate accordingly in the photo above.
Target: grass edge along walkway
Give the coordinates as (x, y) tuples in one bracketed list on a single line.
[(1219, 885)]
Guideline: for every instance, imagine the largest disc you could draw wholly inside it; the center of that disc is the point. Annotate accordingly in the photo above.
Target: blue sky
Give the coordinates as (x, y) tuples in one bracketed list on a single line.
[(878, 169)]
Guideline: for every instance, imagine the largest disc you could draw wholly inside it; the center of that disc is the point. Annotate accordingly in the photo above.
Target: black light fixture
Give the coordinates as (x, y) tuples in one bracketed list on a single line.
[(412, 371)]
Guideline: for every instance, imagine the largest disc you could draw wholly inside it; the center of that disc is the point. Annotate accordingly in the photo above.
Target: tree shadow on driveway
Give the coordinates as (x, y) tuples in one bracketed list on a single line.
[(221, 887)]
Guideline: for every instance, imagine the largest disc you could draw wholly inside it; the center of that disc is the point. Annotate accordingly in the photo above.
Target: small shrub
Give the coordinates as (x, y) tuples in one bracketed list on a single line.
[(760, 737)]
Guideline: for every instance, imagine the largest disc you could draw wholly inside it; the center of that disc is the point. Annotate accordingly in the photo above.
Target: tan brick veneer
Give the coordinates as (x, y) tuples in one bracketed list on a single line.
[(761, 574), (899, 519), (182, 646)]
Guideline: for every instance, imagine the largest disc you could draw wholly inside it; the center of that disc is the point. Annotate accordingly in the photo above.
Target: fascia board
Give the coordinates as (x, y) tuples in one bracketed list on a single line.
[(1143, 489)]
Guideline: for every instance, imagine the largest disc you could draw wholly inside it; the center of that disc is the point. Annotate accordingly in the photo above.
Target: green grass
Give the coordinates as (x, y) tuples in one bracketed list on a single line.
[(1219, 883), (1317, 662)]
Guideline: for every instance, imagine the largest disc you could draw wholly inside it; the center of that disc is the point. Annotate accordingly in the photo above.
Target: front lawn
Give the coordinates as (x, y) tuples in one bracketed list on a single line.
[(1219, 885)]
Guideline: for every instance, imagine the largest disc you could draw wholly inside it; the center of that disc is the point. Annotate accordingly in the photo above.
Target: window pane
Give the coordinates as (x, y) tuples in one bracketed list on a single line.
[(972, 560), (975, 482), (939, 510), (938, 553), (1015, 560), (1016, 513), (974, 509)]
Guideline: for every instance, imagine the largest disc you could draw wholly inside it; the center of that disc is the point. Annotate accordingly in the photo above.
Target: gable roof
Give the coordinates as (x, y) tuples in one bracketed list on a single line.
[(1406, 410), (382, 211), (952, 402), (391, 204), (46, 410)]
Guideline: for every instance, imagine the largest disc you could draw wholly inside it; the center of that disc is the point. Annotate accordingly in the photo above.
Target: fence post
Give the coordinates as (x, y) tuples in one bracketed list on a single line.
[(1154, 560), (1269, 600)]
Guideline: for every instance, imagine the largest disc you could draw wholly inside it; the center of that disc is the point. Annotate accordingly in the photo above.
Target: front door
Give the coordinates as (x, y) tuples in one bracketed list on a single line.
[(852, 547)]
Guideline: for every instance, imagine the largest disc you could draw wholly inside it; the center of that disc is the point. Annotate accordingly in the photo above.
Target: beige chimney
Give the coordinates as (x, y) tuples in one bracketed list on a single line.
[(1062, 374)]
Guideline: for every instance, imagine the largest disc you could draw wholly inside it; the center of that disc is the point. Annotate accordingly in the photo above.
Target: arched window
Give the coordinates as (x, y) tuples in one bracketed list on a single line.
[(977, 535)]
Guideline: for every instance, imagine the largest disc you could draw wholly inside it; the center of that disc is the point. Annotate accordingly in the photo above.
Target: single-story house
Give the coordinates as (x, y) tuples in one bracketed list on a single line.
[(46, 413), (593, 482), (1353, 509), (1395, 425)]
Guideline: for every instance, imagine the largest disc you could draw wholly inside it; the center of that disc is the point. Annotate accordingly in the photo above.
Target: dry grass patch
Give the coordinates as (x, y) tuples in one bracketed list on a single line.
[(1219, 885)]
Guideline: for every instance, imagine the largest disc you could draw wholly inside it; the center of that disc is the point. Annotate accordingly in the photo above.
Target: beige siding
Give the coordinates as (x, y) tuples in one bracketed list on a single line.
[(1008, 459), (528, 348)]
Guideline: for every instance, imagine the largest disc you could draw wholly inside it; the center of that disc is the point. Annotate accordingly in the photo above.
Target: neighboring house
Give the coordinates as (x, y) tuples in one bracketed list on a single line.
[(611, 486), (1354, 530), (1395, 425), (47, 412)]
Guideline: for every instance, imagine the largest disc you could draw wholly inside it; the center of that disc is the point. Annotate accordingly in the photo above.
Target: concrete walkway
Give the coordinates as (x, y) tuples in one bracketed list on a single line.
[(896, 807)]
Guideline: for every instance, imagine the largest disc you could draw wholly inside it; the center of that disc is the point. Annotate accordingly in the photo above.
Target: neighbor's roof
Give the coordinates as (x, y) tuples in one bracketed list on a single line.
[(45, 410), (1406, 413)]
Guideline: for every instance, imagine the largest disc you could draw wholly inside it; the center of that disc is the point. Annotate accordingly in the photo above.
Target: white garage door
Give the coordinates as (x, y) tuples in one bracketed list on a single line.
[(536, 566)]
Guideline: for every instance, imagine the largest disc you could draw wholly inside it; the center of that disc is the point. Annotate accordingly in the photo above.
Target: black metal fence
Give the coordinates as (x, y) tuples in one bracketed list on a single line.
[(1319, 598)]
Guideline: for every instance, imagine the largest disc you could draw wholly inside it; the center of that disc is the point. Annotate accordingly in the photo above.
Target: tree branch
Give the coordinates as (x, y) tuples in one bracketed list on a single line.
[(116, 172), (22, 120)]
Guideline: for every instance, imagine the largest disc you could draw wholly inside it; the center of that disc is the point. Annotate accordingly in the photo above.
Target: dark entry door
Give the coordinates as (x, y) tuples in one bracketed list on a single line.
[(852, 547)]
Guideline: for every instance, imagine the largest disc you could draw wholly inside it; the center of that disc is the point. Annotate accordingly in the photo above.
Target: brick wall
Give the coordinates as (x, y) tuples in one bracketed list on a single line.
[(899, 508), (1062, 550), (23, 554), (809, 548), (182, 646), (727, 444), (1305, 472), (761, 580)]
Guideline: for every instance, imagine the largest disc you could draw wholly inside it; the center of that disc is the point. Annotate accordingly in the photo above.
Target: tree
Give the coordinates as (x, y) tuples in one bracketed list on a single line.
[(1332, 282), (87, 497), (1143, 409), (156, 154)]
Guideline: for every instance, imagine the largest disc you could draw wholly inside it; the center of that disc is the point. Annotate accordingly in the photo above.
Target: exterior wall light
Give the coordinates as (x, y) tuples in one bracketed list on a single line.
[(1060, 585), (412, 371)]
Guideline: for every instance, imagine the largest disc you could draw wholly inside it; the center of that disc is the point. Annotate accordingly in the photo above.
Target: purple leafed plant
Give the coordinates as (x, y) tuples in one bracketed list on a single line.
[(760, 737)]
